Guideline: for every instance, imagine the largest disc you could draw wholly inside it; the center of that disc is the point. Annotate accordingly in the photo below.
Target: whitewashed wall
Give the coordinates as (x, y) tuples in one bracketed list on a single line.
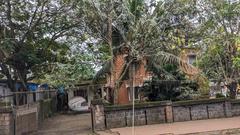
[(4, 91)]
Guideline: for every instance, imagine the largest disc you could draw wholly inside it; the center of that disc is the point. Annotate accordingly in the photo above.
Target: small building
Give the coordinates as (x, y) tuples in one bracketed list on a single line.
[(5, 92), (87, 90), (124, 94), (189, 54), (6, 95)]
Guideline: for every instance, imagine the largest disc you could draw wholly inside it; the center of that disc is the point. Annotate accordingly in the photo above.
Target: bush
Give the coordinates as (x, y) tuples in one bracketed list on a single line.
[(219, 95), (170, 90), (188, 93), (3, 103)]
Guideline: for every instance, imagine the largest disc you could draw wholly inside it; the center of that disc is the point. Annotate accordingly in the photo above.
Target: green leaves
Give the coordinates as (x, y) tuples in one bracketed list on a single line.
[(221, 31), (34, 36), (236, 62), (71, 73)]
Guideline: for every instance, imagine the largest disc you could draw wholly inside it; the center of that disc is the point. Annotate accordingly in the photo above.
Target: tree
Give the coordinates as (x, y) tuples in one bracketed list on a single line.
[(169, 83), (141, 28), (220, 24), (82, 61), (32, 37), (71, 73)]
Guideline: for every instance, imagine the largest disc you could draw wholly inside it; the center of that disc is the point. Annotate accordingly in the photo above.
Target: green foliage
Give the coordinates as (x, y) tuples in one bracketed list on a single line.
[(158, 90), (216, 64), (136, 7), (41, 38), (177, 87), (36, 37), (77, 69), (236, 62), (210, 62), (156, 30), (219, 95), (187, 93), (220, 61), (236, 59), (167, 72)]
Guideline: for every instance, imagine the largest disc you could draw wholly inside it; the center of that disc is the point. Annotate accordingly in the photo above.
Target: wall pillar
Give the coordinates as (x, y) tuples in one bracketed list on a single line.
[(6, 121), (97, 114), (88, 96), (228, 108), (169, 112)]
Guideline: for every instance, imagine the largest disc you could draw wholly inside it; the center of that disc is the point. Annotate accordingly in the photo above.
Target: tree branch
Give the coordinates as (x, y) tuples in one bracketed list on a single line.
[(9, 17), (32, 26), (124, 71), (238, 29)]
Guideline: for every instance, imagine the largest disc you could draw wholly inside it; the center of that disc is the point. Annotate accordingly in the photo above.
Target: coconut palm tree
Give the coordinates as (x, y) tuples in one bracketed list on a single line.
[(141, 29)]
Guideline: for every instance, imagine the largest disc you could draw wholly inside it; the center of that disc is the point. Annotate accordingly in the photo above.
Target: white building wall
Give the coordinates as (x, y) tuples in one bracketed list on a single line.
[(5, 91)]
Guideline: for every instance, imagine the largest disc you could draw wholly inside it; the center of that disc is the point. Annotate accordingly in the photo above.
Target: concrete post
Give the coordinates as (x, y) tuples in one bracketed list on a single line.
[(169, 112), (98, 117)]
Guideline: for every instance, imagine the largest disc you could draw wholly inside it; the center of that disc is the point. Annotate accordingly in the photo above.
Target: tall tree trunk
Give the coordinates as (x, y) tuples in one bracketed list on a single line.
[(22, 75), (233, 70), (113, 72), (110, 43)]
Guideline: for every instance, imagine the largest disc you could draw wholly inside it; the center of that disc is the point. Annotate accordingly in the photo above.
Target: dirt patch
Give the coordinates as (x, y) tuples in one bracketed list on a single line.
[(66, 124)]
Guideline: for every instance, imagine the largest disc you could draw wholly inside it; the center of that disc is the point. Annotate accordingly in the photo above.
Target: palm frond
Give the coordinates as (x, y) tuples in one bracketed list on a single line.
[(162, 58), (158, 69)]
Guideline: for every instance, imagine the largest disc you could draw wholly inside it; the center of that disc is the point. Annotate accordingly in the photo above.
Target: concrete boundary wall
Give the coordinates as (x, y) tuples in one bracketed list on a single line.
[(6, 121), (25, 119), (106, 117)]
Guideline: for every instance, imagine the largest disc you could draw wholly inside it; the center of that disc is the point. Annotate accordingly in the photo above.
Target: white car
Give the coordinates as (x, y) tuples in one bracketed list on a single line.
[(78, 104)]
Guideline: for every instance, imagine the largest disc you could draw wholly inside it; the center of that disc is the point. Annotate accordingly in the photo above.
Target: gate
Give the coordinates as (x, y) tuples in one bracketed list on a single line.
[(25, 117)]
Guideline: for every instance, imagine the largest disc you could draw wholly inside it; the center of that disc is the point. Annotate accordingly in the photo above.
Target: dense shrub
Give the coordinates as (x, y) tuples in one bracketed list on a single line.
[(219, 95)]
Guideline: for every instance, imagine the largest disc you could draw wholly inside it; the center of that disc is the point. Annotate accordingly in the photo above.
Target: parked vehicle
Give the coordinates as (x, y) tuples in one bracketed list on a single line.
[(78, 104)]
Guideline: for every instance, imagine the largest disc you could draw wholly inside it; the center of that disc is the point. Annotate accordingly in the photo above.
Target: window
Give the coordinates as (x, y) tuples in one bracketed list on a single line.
[(136, 93), (191, 59)]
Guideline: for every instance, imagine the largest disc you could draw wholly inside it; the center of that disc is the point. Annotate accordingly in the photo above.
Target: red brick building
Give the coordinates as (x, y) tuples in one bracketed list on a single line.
[(124, 94), (124, 91), (140, 75)]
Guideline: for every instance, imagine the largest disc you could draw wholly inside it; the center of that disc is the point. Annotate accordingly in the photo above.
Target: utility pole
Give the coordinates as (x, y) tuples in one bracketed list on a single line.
[(133, 96)]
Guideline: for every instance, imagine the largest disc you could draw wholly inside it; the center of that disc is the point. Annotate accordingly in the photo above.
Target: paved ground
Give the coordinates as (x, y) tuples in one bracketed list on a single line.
[(226, 126), (219, 132), (62, 124)]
